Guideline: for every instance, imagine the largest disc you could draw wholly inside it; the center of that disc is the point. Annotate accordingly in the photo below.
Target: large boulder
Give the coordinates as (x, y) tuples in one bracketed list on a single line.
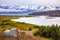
[(14, 32)]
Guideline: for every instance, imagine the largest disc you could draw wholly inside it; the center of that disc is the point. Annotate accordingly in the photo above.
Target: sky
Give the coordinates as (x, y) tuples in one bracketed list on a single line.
[(30, 2)]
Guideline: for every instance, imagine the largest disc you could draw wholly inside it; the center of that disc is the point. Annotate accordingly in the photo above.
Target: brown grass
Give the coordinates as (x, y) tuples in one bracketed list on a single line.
[(27, 35)]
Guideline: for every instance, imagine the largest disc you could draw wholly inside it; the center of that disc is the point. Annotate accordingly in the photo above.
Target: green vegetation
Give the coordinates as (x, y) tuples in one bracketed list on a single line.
[(44, 31), (6, 23), (49, 32)]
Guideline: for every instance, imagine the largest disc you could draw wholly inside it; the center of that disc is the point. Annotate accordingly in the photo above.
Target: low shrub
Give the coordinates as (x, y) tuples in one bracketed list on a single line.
[(49, 32)]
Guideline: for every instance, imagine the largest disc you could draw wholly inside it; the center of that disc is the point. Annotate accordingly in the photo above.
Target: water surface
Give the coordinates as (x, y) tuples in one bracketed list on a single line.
[(40, 20)]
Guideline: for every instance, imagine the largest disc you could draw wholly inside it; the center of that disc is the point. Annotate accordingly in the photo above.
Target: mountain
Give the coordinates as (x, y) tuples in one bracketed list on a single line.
[(50, 13), (41, 8), (26, 9)]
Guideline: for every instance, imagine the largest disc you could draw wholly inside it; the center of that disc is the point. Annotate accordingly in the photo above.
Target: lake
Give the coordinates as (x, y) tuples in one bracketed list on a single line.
[(39, 20)]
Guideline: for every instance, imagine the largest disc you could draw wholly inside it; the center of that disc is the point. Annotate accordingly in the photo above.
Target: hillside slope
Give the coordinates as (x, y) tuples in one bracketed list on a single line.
[(50, 13)]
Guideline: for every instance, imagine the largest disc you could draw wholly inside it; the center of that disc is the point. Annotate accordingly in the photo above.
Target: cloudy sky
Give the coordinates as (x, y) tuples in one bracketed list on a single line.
[(30, 2)]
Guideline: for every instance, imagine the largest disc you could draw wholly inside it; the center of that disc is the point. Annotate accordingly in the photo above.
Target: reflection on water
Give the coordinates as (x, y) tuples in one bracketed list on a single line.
[(40, 20)]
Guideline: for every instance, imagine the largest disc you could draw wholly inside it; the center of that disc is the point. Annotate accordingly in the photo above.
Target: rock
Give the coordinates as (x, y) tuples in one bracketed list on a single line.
[(12, 32)]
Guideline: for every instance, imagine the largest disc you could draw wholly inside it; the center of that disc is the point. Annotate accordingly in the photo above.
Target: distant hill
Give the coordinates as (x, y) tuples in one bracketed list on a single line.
[(50, 13)]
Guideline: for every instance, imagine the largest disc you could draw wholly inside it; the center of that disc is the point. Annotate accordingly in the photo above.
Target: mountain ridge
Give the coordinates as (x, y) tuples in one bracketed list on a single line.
[(50, 13)]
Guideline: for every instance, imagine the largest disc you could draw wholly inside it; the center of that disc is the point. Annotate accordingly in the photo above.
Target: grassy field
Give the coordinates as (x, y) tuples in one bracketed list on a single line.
[(26, 29)]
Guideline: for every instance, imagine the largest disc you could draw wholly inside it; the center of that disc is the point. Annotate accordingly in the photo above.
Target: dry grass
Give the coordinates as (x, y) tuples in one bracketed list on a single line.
[(26, 35)]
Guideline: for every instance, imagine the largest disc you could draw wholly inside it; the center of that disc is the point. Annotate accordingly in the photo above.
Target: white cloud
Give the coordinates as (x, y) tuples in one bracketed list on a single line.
[(47, 2), (30, 2)]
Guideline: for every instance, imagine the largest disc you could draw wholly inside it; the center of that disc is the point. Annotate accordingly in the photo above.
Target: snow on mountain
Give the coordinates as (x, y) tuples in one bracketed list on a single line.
[(8, 10), (24, 7), (34, 8), (28, 8), (47, 8)]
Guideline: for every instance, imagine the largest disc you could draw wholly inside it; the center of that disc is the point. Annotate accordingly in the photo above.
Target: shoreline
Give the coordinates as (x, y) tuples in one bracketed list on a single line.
[(40, 20)]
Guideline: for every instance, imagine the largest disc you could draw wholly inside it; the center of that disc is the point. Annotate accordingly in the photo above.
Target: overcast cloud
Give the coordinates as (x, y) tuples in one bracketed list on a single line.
[(30, 2)]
